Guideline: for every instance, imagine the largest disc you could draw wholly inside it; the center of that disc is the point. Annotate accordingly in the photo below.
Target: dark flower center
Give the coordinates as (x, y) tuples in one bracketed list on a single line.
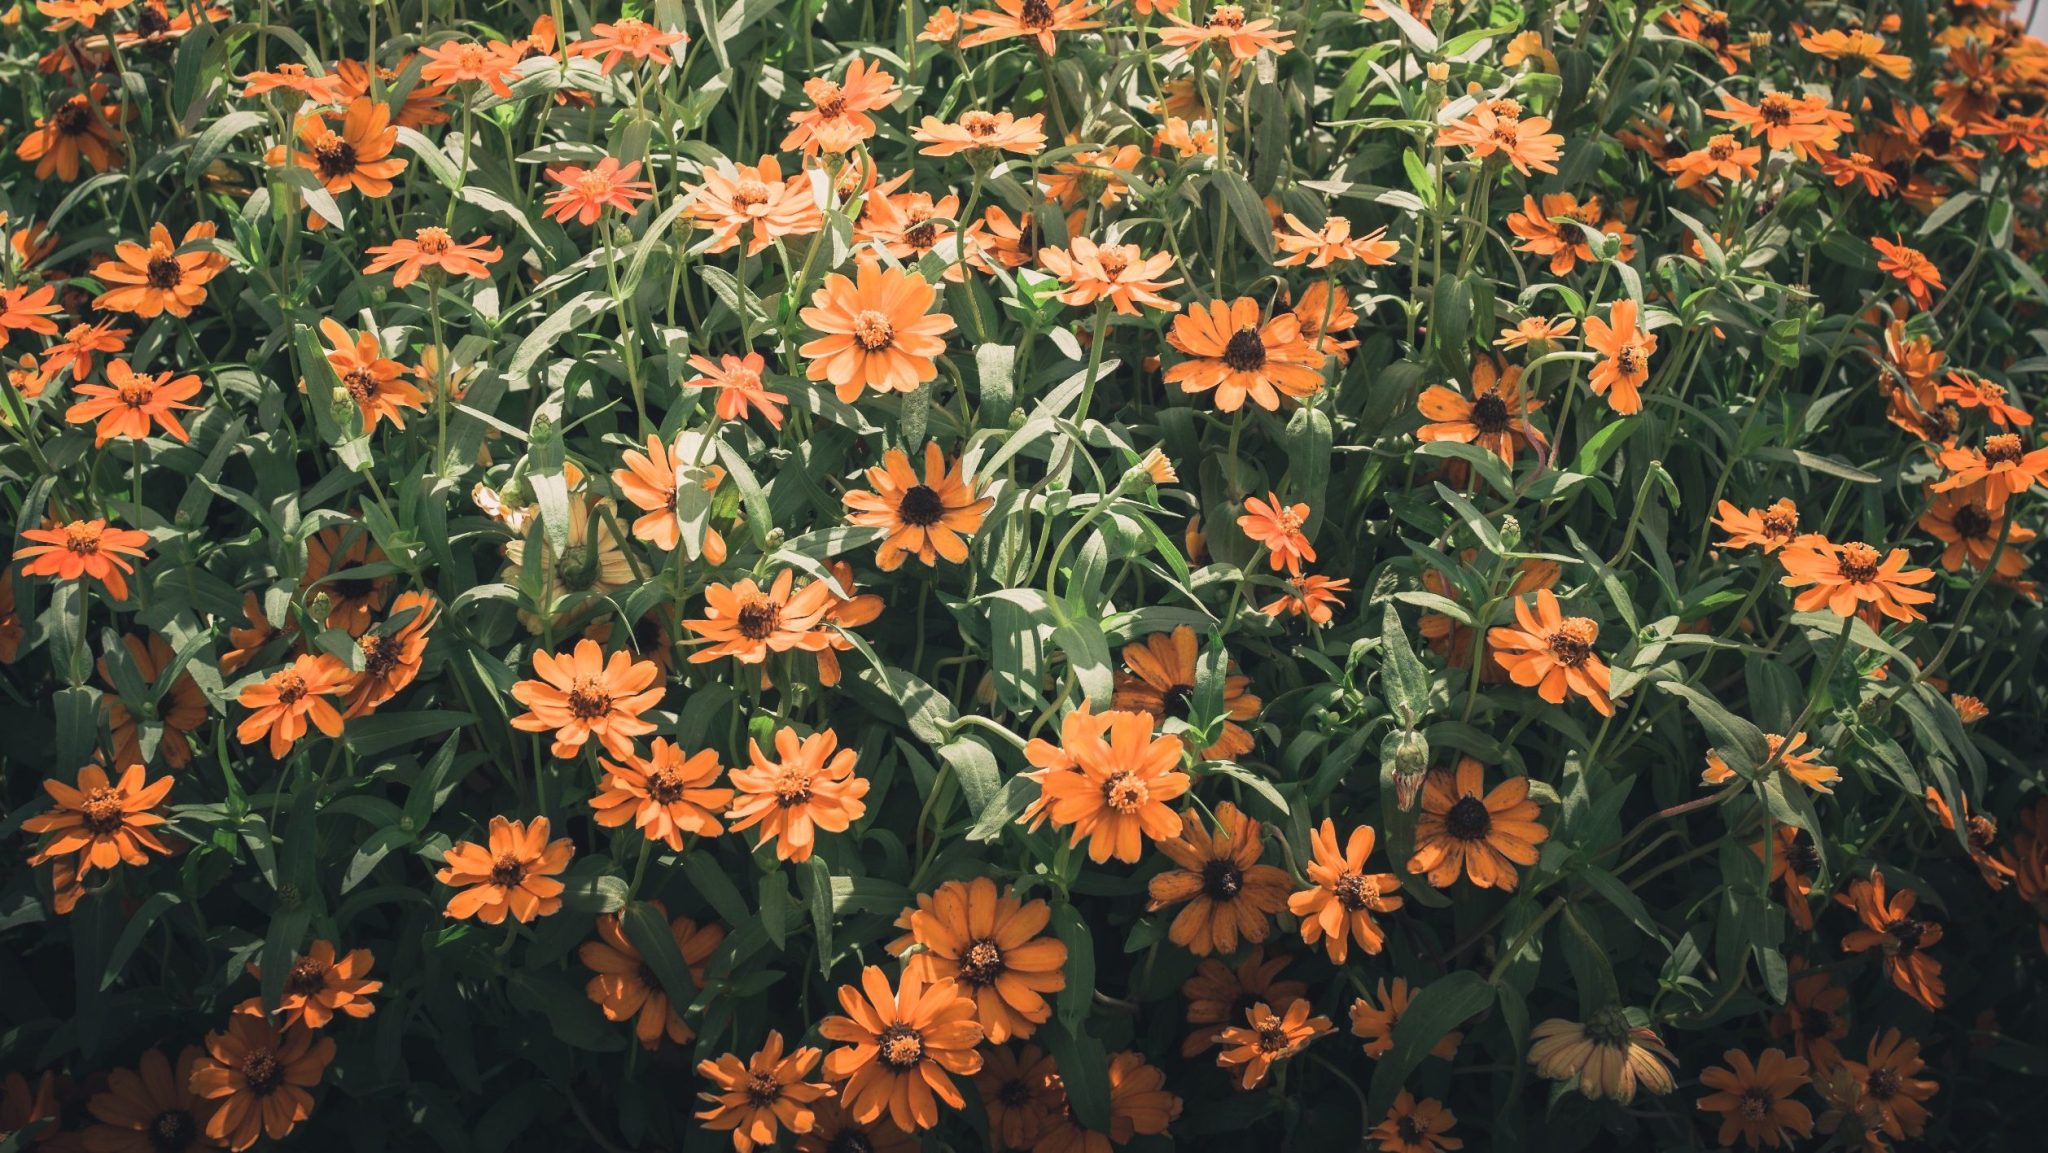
[(263, 1071), (1222, 880), (1175, 700), (291, 688), (1468, 820), (1014, 1093), (335, 156), (1815, 1025), (1802, 858), (73, 116), (102, 811), (2004, 448), (1572, 643), (1410, 1130), (1756, 1103), (793, 789), (902, 1047), (1245, 352), (921, 507), (1356, 891), (664, 786), (1775, 110), (851, 1141), (1036, 15), (353, 588), (152, 21), (508, 871), (981, 963), (306, 978), (1937, 139), (1272, 1038), (1124, 792), (1884, 1083), (1906, 934), (763, 1090), (164, 272), (922, 236), (757, 619), (588, 700), (1490, 414), (380, 656), (1858, 563), (872, 330), (1629, 359), (173, 1131)]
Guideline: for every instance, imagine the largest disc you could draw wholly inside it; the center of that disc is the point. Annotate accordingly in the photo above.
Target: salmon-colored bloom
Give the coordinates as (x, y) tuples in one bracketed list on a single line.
[(926, 518), (1097, 175), (1040, 20), (456, 61), (1755, 1100), (809, 785), (100, 821), (628, 38), (1551, 228), (941, 27), (1723, 158), (1331, 244), (1465, 830), (1980, 831), (1495, 417), (148, 1109), (759, 1098), (374, 381), (1858, 52), (1910, 267), (1229, 896), (740, 391), (80, 127), (83, 548), (1901, 938), (178, 712), (838, 119), (664, 794), (992, 947), (260, 1075), (1967, 391), (651, 481), (321, 984), (291, 699), (1323, 311), (747, 623), (1552, 653), (1373, 1021), (1268, 1037), (1339, 906), (625, 988), (81, 343), (877, 332), (1118, 273), (1800, 766), (1124, 773), (1139, 1104), (1311, 595), (358, 156), (161, 278), (756, 200), (432, 247), (1607, 1056), (900, 1048), (1807, 125), (1236, 354), (1277, 528), (582, 694), (982, 133), (586, 192), (1225, 29), (1769, 529), (1523, 141), (1889, 1077), (512, 872), (1413, 1126), (1625, 353), (1219, 994), (131, 401), (1846, 577), (324, 88), (1999, 470), (28, 309), (1811, 1016), (1022, 1094), (1161, 681)]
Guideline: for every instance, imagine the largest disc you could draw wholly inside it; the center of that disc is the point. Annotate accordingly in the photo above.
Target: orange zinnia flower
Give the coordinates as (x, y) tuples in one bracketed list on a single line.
[(664, 794), (130, 401), (747, 623), (1552, 653), (1463, 829), (1769, 529), (1810, 1016), (358, 156), (1373, 1022), (1793, 864), (756, 200), (1755, 1099), (84, 341), (1232, 351), (1276, 527), (1859, 52), (83, 548), (1161, 681), (1625, 355), (1311, 595), (1806, 124), (1218, 994), (1536, 331), (1226, 29), (1790, 761), (1606, 1056), (1910, 267), (158, 279), (762, 1096), (1564, 242), (651, 481), (1339, 908), (150, 1108), (1021, 1092), (628, 37), (284, 704), (838, 116), (1495, 417), (432, 247), (583, 694), (391, 659), (1965, 390), (1116, 797), (104, 822), (1330, 244), (1091, 174), (877, 331), (1228, 893), (374, 381), (1489, 131), (453, 62), (1845, 577), (586, 192), (1139, 1103), (1040, 20), (983, 133), (810, 785), (2001, 469), (332, 557), (1724, 158), (1890, 927), (1888, 1077), (898, 1047), (740, 392), (78, 128), (321, 984), (1413, 1126), (514, 872), (179, 711), (929, 518), (29, 310), (1118, 273), (1268, 1037), (260, 1075), (991, 947), (625, 989)]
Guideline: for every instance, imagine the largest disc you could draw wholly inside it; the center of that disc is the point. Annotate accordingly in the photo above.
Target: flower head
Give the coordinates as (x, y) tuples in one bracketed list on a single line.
[(809, 785), (1552, 653), (927, 518), (1226, 894), (664, 794), (294, 698), (259, 1076), (1234, 353), (758, 1098), (625, 988), (1340, 906), (877, 332), (901, 1047), (102, 821), (585, 193), (513, 871), (993, 947)]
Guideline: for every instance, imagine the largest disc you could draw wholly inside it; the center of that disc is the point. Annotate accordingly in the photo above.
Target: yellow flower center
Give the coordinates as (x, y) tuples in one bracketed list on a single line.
[(872, 330)]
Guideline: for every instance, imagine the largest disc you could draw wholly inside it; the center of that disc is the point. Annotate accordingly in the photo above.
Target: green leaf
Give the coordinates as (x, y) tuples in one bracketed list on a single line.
[(648, 930), (1438, 1008), (139, 924), (1740, 743), (1084, 1067), (1074, 999), (1402, 673)]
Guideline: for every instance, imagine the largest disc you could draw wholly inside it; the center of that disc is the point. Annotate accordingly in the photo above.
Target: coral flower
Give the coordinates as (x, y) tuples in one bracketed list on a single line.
[(1965, 390), (1413, 1126), (1463, 829), (332, 557), (1225, 30), (1118, 273), (1845, 577), (628, 37), (809, 785), (1552, 653), (456, 61), (375, 382), (982, 133), (992, 946), (1331, 244), (1790, 761), (1607, 1056), (1022, 1094), (1040, 20), (1311, 595), (1769, 529), (259, 1074), (104, 822), (158, 279), (1625, 353), (901, 1048), (2001, 469), (1161, 681), (1551, 228), (1116, 797), (180, 709), (358, 156), (877, 331), (1537, 331), (625, 989), (651, 481), (663, 794), (82, 342), (759, 1098), (83, 548), (1276, 527), (1266, 1038), (1324, 310), (1097, 175), (78, 128), (321, 984), (1888, 1076), (1374, 1022), (513, 872), (1523, 141), (391, 656), (583, 694), (755, 200), (747, 623), (1911, 268), (838, 119), (1229, 895), (1139, 1104), (1890, 927), (150, 1108), (29, 310), (1811, 1016), (1495, 417), (1218, 994), (586, 192), (1231, 350), (740, 391), (1804, 124), (1723, 158), (432, 247), (1339, 908), (130, 401), (928, 519), (1755, 1099), (291, 699), (1979, 830)]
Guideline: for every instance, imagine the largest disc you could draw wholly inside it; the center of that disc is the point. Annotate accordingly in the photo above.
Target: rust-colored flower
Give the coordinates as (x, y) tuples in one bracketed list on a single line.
[(457, 61), (161, 278), (1037, 20), (838, 119), (1312, 595), (259, 1076), (992, 946), (759, 1098), (1793, 865), (625, 989), (1769, 529), (1755, 1099), (1901, 938), (585, 193), (131, 401), (1800, 766), (1118, 273), (357, 156), (1463, 829), (321, 984), (1495, 417), (333, 557), (1331, 244), (1417, 1126), (1234, 353), (583, 694), (1722, 158), (628, 38), (1219, 994), (26, 309), (103, 822), (1807, 125), (83, 342), (1811, 1016), (808, 786), (83, 548), (1021, 1093), (877, 331), (1552, 653), (293, 699), (512, 872), (1888, 1075), (740, 391), (664, 794), (78, 128), (1979, 830), (755, 201), (1550, 228), (1373, 1021), (1268, 1037), (1607, 1056), (151, 1108), (747, 623), (180, 706), (392, 654), (901, 1047), (1999, 470), (926, 518), (1911, 268), (432, 248), (1846, 577), (374, 381), (1625, 352), (1339, 908), (1228, 894), (1161, 681), (982, 133), (1225, 29), (1139, 1104), (1277, 527), (1489, 131), (1115, 799)]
